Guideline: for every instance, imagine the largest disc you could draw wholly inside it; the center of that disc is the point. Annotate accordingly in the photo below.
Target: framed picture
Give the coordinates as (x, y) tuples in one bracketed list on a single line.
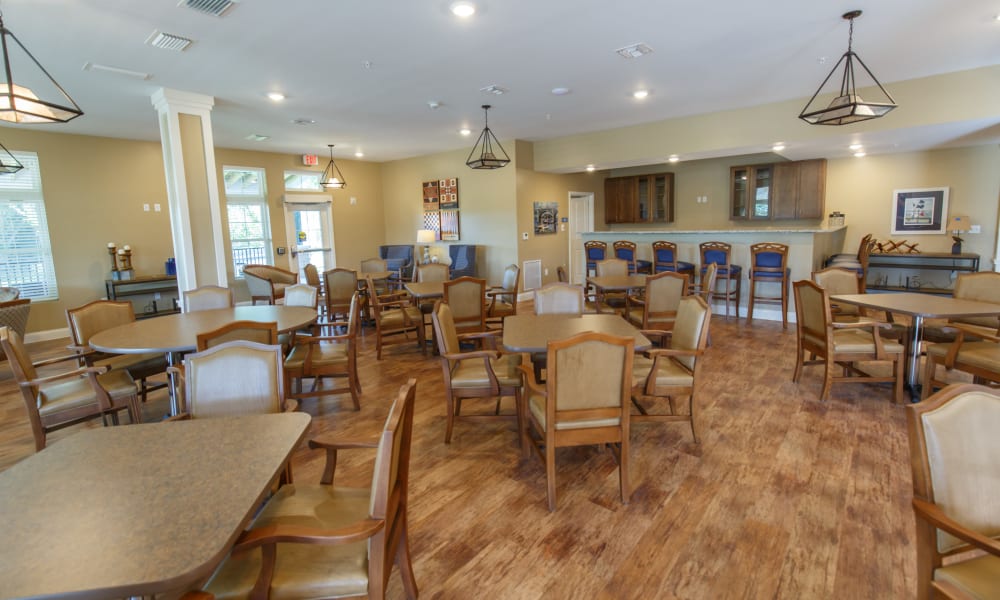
[(449, 226), (919, 211), (546, 217)]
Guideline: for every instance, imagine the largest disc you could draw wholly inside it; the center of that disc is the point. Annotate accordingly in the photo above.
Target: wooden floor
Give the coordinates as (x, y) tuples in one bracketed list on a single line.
[(785, 497)]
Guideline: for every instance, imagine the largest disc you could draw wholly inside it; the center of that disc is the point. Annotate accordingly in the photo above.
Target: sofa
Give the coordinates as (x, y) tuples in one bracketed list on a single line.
[(268, 283)]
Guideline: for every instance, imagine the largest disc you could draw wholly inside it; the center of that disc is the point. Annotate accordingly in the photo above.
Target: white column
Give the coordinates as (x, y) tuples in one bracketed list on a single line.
[(170, 104)]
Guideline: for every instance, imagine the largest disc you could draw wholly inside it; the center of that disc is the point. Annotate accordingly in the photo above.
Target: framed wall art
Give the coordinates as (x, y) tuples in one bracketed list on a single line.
[(919, 211), (546, 217)]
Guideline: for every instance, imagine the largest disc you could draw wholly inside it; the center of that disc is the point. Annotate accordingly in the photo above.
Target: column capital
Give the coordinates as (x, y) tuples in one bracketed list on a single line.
[(187, 102)]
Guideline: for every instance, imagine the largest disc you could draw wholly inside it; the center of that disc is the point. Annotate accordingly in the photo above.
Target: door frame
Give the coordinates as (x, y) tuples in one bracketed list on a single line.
[(292, 235), (587, 227)]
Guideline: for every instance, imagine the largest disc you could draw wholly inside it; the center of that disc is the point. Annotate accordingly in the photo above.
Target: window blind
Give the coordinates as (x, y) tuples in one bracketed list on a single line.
[(25, 248)]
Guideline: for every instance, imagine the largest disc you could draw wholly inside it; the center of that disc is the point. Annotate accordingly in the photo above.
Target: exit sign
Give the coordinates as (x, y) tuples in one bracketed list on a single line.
[(310, 160)]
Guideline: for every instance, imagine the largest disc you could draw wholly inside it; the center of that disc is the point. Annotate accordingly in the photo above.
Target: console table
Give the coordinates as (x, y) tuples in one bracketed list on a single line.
[(902, 272), (153, 285)]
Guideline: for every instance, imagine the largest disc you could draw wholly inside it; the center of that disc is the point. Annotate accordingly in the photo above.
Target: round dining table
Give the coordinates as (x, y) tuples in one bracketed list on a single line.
[(173, 334)]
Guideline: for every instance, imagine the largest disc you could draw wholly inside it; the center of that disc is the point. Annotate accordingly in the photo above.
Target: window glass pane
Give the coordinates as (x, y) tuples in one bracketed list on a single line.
[(302, 181), (247, 214), (243, 182), (25, 250)]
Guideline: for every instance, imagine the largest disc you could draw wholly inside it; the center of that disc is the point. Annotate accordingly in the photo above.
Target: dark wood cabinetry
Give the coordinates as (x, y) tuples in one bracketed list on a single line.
[(787, 190), (639, 199)]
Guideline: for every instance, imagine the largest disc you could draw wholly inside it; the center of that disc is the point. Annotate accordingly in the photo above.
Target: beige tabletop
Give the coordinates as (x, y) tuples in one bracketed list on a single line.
[(137, 510), (425, 290), (617, 283), (532, 333), (918, 306), (377, 275), (179, 332)]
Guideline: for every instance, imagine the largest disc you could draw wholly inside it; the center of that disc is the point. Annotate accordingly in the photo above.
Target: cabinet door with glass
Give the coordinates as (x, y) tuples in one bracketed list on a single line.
[(750, 192), (661, 197)]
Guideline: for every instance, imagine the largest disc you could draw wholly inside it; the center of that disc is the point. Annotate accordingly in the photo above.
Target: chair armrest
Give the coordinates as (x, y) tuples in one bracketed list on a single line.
[(933, 514), (66, 375), (531, 383), (331, 448), (654, 352), (963, 329), (274, 534), (54, 360)]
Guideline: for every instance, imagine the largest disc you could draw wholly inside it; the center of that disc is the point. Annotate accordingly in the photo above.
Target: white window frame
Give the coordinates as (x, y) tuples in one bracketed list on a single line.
[(303, 188), (21, 197), (251, 199)]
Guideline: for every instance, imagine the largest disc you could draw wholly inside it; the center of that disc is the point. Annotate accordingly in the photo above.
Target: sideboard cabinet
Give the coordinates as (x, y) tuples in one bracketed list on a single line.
[(146, 294), (779, 191)]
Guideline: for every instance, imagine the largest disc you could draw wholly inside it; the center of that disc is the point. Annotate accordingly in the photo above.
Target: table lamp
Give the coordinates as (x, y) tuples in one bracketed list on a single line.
[(958, 225), (426, 236)]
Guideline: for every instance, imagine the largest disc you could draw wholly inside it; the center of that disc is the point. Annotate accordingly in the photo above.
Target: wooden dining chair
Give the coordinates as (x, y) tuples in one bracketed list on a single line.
[(559, 299), (208, 297), (339, 287), (466, 297), (326, 540), (503, 298), (610, 302), (594, 252), (584, 401), (233, 378), (319, 356), (394, 315), (249, 331), (657, 307)]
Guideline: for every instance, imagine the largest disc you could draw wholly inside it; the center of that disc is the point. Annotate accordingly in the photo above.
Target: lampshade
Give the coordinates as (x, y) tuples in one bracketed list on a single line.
[(9, 164), (847, 107), (426, 236), (487, 152), (958, 224), (331, 176), (22, 104)]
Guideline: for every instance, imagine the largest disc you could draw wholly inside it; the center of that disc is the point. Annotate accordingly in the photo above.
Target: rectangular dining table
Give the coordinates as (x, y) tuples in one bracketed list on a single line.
[(425, 290), (918, 307), (615, 283), (137, 510), (531, 333)]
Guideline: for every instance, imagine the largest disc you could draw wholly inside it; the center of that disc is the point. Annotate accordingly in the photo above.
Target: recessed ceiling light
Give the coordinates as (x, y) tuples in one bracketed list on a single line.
[(359, 154), (640, 94), (463, 9), (859, 154), (304, 121), (276, 96), (855, 146), (590, 168), (433, 104), (465, 131), (256, 137), (674, 158), (778, 147), (560, 91)]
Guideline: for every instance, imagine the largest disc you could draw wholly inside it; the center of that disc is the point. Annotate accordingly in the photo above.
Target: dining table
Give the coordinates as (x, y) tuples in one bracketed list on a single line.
[(177, 333), (615, 283), (918, 307), (139, 510), (532, 333), (425, 290)]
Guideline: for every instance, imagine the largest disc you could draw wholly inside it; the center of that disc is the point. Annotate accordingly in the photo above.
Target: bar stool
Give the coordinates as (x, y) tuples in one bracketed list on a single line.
[(665, 259), (769, 264), (720, 253), (594, 251), (625, 250)]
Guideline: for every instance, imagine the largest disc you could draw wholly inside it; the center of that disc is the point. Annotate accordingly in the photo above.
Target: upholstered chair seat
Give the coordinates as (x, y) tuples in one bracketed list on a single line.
[(473, 374), (78, 393), (319, 356), (984, 355), (536, 404), (669, 373), (503, 298)]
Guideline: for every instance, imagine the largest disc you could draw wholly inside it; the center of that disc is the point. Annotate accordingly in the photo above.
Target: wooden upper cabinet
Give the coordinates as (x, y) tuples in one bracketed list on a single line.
[(639, 199), (787, 190)]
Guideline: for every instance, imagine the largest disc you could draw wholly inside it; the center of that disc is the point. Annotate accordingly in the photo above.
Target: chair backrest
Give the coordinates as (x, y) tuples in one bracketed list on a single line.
[(589, 379), (664, 256), (89, 319), (838, 280), (559, 299), (9, 293), (208, 297), (432, 272), (463, 260), (625, 250), (812, 311), (663, 296), (953, 443), (511, 280), (340, 285), (302, 294), (374, 265), (595, 251), (983, 287), (715, 252), (561, 275), (611, 266), (312, 275), (769, 257), (249, 331), (271, 273), (691, 328), (14, 314), (467, 298), (234, 378), (12, 345), (708, 281), (445, 333), (398, 258)]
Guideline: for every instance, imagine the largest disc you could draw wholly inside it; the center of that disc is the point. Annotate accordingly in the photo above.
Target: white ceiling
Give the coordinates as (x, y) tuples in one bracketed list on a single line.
[(365, 70)]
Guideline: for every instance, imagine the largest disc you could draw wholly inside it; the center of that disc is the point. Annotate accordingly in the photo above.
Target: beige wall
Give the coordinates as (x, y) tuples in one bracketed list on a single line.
[(487, 206)]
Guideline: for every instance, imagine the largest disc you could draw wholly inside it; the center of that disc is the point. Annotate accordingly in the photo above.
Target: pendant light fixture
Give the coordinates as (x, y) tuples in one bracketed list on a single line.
[(331, 176), (848, 107), (483, 155), (22, 104), (9, 164)]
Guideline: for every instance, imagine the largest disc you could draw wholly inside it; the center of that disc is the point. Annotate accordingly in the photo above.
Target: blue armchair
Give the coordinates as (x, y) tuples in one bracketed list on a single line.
[(399, 258), (463, 260)]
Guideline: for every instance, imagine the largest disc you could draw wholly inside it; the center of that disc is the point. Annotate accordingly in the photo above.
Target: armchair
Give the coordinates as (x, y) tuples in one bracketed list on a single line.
[(68, 398), (463, 260), (14, 314), (9, 293), (318, 356), (657, 308), (399, 258), (304, 543), (268, 283), (503, 298), (394, 315)]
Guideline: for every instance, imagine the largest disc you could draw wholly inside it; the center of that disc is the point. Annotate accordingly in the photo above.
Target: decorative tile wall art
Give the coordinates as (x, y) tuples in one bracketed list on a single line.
[(440, 202), (546, 217)]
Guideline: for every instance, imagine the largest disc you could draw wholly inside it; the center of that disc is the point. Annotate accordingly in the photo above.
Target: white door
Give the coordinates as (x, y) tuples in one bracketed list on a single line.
[(581, 220), (310, 235)]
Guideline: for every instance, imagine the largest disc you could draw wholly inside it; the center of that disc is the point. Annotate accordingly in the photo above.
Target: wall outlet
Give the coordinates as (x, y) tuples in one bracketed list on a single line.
[(975, 229), (156, 207), (546, 272), (145, 208), (156, 295)]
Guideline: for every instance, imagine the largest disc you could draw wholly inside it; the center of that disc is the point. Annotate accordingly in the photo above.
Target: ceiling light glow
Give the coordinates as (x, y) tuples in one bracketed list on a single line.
[(560, 91), (674, 158), (859, 154), (778, 147), (463, 9), (855, 147), (640, 94), (465, 131), (359, 154), (276, 96), (591, 168)]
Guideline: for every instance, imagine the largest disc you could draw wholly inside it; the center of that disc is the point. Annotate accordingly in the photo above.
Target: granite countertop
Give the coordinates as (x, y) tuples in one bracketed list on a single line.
[(732, 230)]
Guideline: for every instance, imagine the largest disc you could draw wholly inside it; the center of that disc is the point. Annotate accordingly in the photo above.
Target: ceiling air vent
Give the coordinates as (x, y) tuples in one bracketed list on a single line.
[(168, 41), (216, 8), (634, 51)]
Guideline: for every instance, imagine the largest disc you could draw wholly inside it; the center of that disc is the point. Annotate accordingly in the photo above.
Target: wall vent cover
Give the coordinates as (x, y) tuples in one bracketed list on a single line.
[(532, 274), (634, 51), (168, 41), (216, 8)]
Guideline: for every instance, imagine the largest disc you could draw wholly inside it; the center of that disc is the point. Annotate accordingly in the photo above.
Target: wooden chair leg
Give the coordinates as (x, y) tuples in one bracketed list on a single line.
[(550, 475)]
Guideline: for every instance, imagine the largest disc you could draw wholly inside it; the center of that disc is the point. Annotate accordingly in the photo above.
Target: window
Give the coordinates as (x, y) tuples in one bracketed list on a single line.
[(249, 222), (302, 181), (25, 250)]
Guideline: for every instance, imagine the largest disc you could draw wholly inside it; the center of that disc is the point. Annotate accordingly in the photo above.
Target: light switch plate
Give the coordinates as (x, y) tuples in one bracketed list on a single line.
[(975, 229), (524, 235), (145, 208), (156, 207)]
